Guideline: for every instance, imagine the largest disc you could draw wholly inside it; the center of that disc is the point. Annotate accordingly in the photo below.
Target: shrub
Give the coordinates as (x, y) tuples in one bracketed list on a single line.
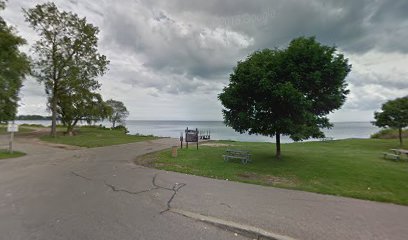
[(389, 133), (121, 127)]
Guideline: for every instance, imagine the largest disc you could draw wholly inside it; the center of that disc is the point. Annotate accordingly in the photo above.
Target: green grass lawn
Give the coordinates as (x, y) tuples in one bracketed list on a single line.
[(96, 137), (5, 154), (352, 168)]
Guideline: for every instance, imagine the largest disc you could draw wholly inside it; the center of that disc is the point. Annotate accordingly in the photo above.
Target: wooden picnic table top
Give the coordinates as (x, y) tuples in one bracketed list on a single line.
[(237, 151), (400, 150)]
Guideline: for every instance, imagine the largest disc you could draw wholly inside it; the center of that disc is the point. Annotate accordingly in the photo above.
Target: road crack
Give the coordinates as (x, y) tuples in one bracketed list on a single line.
[(79, 175), (176, 187), (115, 189), (225, 204)]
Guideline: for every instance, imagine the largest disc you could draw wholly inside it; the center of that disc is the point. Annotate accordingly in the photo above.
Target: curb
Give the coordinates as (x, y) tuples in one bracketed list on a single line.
[(245, 230)]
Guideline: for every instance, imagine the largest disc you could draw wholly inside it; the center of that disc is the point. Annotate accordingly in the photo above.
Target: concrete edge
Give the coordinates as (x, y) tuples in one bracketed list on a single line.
[(245, 230)]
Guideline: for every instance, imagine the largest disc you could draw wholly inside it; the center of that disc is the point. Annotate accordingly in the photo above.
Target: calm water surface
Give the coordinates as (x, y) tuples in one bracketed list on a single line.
[(219, 131)]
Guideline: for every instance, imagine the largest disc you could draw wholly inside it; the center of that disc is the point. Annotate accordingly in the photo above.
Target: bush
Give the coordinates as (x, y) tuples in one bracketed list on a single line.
[(31, 125), (389, 133), (100, 126), (142, 135), (121, 127)]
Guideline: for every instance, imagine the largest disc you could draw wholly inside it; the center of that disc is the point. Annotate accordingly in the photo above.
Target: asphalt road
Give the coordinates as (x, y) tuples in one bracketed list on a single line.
[(54, 193), (57, 193)]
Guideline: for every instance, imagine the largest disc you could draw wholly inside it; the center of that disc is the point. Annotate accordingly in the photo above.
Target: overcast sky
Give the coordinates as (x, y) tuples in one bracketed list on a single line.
[(171, 58)]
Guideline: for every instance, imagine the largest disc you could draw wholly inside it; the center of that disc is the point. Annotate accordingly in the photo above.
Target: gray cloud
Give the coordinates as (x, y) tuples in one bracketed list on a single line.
[(188, 48), (170, 45), (391, 80)]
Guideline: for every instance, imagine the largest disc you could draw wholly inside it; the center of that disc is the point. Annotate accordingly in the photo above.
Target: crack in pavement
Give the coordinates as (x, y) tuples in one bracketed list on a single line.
[(176, 187), (79, 175), (115, 189), (225, 204)]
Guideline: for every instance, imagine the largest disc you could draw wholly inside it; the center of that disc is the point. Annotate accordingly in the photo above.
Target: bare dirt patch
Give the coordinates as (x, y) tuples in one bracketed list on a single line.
[(268, 179), (147, 160), (34, 138)]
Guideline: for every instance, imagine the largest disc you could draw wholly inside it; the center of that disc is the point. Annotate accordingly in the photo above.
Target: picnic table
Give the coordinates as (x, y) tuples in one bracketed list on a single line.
[(244, 155), (400, 151), (395, 154)]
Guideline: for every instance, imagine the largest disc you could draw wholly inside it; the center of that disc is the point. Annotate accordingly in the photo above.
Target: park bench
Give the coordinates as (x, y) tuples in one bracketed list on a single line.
[(391, 156), (244, 155)]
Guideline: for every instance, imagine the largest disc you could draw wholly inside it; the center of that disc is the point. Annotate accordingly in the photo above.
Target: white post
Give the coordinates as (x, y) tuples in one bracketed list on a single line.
[(11, 142), (11, 128)]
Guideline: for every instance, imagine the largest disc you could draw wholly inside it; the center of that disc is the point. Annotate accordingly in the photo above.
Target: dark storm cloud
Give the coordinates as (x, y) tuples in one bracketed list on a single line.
[(206, 39), (355, 26), (181, 47)]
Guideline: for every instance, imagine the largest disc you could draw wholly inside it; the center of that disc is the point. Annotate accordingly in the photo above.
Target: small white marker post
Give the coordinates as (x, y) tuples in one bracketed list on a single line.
[(12, 128)]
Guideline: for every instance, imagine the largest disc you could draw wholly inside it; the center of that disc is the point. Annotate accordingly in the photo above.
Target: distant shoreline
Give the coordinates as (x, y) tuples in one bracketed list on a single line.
[(137, 120)]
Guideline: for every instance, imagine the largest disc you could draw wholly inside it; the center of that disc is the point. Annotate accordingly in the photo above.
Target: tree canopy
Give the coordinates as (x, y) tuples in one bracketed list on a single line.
[(84, 105), (67, 60), (394, 114), (289, 91), (14, 66), (118, 114)]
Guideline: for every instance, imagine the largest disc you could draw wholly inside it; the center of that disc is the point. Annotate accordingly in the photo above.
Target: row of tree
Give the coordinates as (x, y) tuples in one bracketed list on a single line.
[(66, 61)]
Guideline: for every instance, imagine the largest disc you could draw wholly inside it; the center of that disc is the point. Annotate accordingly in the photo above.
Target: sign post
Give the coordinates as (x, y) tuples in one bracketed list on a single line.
[(181, 140), (12, 128), (191, 136)]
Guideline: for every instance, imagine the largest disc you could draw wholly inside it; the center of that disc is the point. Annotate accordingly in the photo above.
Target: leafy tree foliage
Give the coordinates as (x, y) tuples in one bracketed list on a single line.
[(85, 105), (394, 115), (119, 112), (286, 92), (67, 60), (14, 65)]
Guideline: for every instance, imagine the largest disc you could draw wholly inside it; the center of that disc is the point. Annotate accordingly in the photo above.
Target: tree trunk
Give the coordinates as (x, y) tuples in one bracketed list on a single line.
[(54, 93), (70, 127), (70, 131), (400, 136), (113, 123), (278, 147), (54, 115)]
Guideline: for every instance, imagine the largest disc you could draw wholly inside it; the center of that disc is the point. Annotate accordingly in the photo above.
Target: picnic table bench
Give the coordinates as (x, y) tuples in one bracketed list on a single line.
[(391, 155), (400, 152), (244, 155)]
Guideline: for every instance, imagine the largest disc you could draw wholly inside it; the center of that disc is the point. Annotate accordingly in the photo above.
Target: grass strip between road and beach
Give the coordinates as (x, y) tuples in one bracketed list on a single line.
[(5, 154), (96, 137), (352, 168)]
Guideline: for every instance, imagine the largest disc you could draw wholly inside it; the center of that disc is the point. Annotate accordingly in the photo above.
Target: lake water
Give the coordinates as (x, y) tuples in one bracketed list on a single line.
[(219, 131)]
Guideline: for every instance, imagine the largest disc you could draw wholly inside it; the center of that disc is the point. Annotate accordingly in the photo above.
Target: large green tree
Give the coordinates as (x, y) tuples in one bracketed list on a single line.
[(119, 112), (78, 106), (394, 115), (67, 58), (286, 91), (14, 65)]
